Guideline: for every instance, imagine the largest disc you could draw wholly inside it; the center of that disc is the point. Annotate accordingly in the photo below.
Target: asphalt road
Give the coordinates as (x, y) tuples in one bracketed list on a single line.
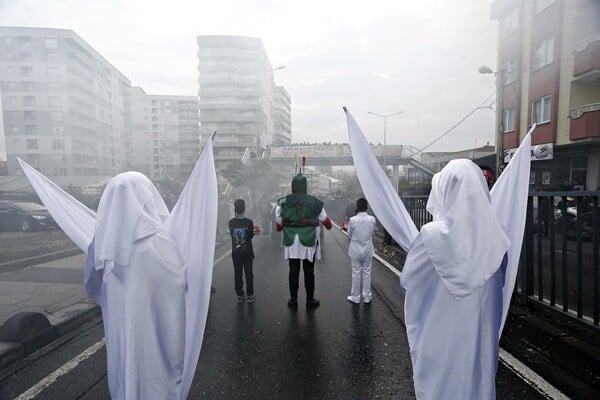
[(264, 350)]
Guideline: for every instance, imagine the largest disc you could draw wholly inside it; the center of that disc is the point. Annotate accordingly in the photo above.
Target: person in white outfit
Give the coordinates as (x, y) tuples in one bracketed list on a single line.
[(360, 232)]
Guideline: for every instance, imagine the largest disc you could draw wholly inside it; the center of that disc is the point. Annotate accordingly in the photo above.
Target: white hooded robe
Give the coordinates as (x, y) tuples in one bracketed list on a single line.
[(460, 269)]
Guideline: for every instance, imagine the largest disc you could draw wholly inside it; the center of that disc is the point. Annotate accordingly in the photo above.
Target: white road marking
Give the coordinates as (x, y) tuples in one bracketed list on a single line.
[(531, 378), (221, 258), (70, 365), (517, 367)]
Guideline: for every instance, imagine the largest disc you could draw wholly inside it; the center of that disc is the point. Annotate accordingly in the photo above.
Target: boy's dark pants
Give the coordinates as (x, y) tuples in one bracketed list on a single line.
[(309, 278), (243, 262)]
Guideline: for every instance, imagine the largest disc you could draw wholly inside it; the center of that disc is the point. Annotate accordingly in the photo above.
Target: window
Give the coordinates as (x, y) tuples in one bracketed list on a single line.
[(53, 87), (508, 120), (51, 43), (540, 110), (29, 115), (10, 69), (58, 144), (543, 53), (32, 144), (8, 40), (52, 58), (27, 85), (15, 129), (30, 129), (25, 40), (58, 130), (60, 171), (541, 5), (29, 101), (510, 71), (26, 71), (56, 116), (12, 100)]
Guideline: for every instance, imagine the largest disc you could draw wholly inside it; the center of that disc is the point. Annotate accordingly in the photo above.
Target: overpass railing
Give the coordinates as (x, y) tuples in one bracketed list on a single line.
[(560, 262)]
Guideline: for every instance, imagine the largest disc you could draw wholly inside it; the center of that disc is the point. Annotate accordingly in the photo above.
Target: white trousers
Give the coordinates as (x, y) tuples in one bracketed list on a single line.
[(361, 267)]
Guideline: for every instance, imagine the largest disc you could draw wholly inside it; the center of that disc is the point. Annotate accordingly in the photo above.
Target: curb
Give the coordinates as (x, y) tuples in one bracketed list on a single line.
[(63, 321), (24, 262)]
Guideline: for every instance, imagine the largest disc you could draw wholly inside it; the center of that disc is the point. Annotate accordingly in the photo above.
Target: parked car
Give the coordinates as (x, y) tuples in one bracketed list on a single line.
[(24, 216)]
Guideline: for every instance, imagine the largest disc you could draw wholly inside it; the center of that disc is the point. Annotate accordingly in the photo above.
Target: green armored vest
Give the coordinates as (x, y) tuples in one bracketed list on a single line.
[(300, 216)]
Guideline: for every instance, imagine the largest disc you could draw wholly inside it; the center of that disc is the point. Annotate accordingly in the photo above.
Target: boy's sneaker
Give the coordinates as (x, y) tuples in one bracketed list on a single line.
[(251, 299), (241, 299), (311, 304), (293, 304), (352, 300)]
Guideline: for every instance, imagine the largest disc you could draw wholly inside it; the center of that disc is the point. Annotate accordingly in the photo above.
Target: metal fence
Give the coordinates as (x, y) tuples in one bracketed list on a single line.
[(559, 265)]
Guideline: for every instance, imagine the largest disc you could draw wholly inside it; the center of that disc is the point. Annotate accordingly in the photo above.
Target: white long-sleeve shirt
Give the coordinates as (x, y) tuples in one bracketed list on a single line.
[(360, 231)]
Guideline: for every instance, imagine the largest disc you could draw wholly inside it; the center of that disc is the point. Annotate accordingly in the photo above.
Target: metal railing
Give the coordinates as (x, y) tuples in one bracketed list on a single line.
[(560, 262)]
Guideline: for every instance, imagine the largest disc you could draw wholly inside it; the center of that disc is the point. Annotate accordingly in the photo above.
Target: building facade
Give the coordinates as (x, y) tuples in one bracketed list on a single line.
[(282, 121), (64, 106), (68, 112), (549, 73), (236, 93), (165, 135)]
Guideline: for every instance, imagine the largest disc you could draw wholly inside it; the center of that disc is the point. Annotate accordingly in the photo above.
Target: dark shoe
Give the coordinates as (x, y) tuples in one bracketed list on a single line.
[(293, 304), (240, 299), (251, 298), (312, 304)]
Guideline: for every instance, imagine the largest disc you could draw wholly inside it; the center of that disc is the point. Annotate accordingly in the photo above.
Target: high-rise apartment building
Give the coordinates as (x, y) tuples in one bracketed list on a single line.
[(236, 92), (68, 112), (165, 137), (549, 73), (282, 119), (65, 108)]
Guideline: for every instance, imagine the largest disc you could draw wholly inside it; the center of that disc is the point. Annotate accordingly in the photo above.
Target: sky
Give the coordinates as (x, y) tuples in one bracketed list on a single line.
[(418, 57)]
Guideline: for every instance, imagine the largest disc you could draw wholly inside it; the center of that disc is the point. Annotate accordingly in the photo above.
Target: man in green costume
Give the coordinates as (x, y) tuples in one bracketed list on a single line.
[(298, 216)]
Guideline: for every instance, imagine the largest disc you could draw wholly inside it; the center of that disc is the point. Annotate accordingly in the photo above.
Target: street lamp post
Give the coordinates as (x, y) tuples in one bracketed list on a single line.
[(385, 117), (484, 69)]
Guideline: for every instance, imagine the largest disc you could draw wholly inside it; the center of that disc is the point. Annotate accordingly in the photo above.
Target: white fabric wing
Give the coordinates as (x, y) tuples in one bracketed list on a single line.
[(378, 189), (74, 218), (509, 200), (193, 224), (465, 242)]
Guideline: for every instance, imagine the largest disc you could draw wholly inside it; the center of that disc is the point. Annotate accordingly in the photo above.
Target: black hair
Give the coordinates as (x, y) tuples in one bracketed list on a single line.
[(239, 206), (361, 205)]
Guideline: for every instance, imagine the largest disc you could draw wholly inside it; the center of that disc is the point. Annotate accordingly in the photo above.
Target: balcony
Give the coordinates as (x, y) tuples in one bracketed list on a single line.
[(585, 122), (587, 61)]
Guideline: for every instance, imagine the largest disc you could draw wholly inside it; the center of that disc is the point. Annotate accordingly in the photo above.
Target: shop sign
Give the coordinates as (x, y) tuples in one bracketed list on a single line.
[(539, 152)]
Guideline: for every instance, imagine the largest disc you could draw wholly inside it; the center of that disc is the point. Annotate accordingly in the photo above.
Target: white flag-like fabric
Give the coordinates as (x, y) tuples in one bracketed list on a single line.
[(193, 223), (509, 200), (155, 292), (74, 218), (378, 189), (454, 317)]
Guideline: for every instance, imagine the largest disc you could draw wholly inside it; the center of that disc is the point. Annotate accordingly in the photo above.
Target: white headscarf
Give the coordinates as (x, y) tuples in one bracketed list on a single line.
[(465, 242), (130, 209)]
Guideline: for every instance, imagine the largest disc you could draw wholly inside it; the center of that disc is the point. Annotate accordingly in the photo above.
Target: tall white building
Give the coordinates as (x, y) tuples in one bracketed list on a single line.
[(65, 108), (236, 92), (68, 112), (282, 121)]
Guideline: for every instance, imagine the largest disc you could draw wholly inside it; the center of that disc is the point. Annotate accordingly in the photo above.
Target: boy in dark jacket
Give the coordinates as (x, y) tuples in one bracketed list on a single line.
[(241, 230)]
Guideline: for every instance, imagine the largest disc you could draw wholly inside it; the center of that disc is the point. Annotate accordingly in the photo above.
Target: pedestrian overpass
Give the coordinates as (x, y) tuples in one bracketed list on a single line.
[(341, 155)]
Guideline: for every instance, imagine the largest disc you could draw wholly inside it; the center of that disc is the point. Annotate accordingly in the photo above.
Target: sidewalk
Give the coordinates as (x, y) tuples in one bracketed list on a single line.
[(53, 291)]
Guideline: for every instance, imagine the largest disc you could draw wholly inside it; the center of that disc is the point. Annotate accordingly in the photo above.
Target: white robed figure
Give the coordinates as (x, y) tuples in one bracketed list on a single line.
[(460, 269), (149, 271)]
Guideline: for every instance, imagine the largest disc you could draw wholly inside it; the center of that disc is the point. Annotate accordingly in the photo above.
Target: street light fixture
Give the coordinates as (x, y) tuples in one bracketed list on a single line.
[(385, 117)]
